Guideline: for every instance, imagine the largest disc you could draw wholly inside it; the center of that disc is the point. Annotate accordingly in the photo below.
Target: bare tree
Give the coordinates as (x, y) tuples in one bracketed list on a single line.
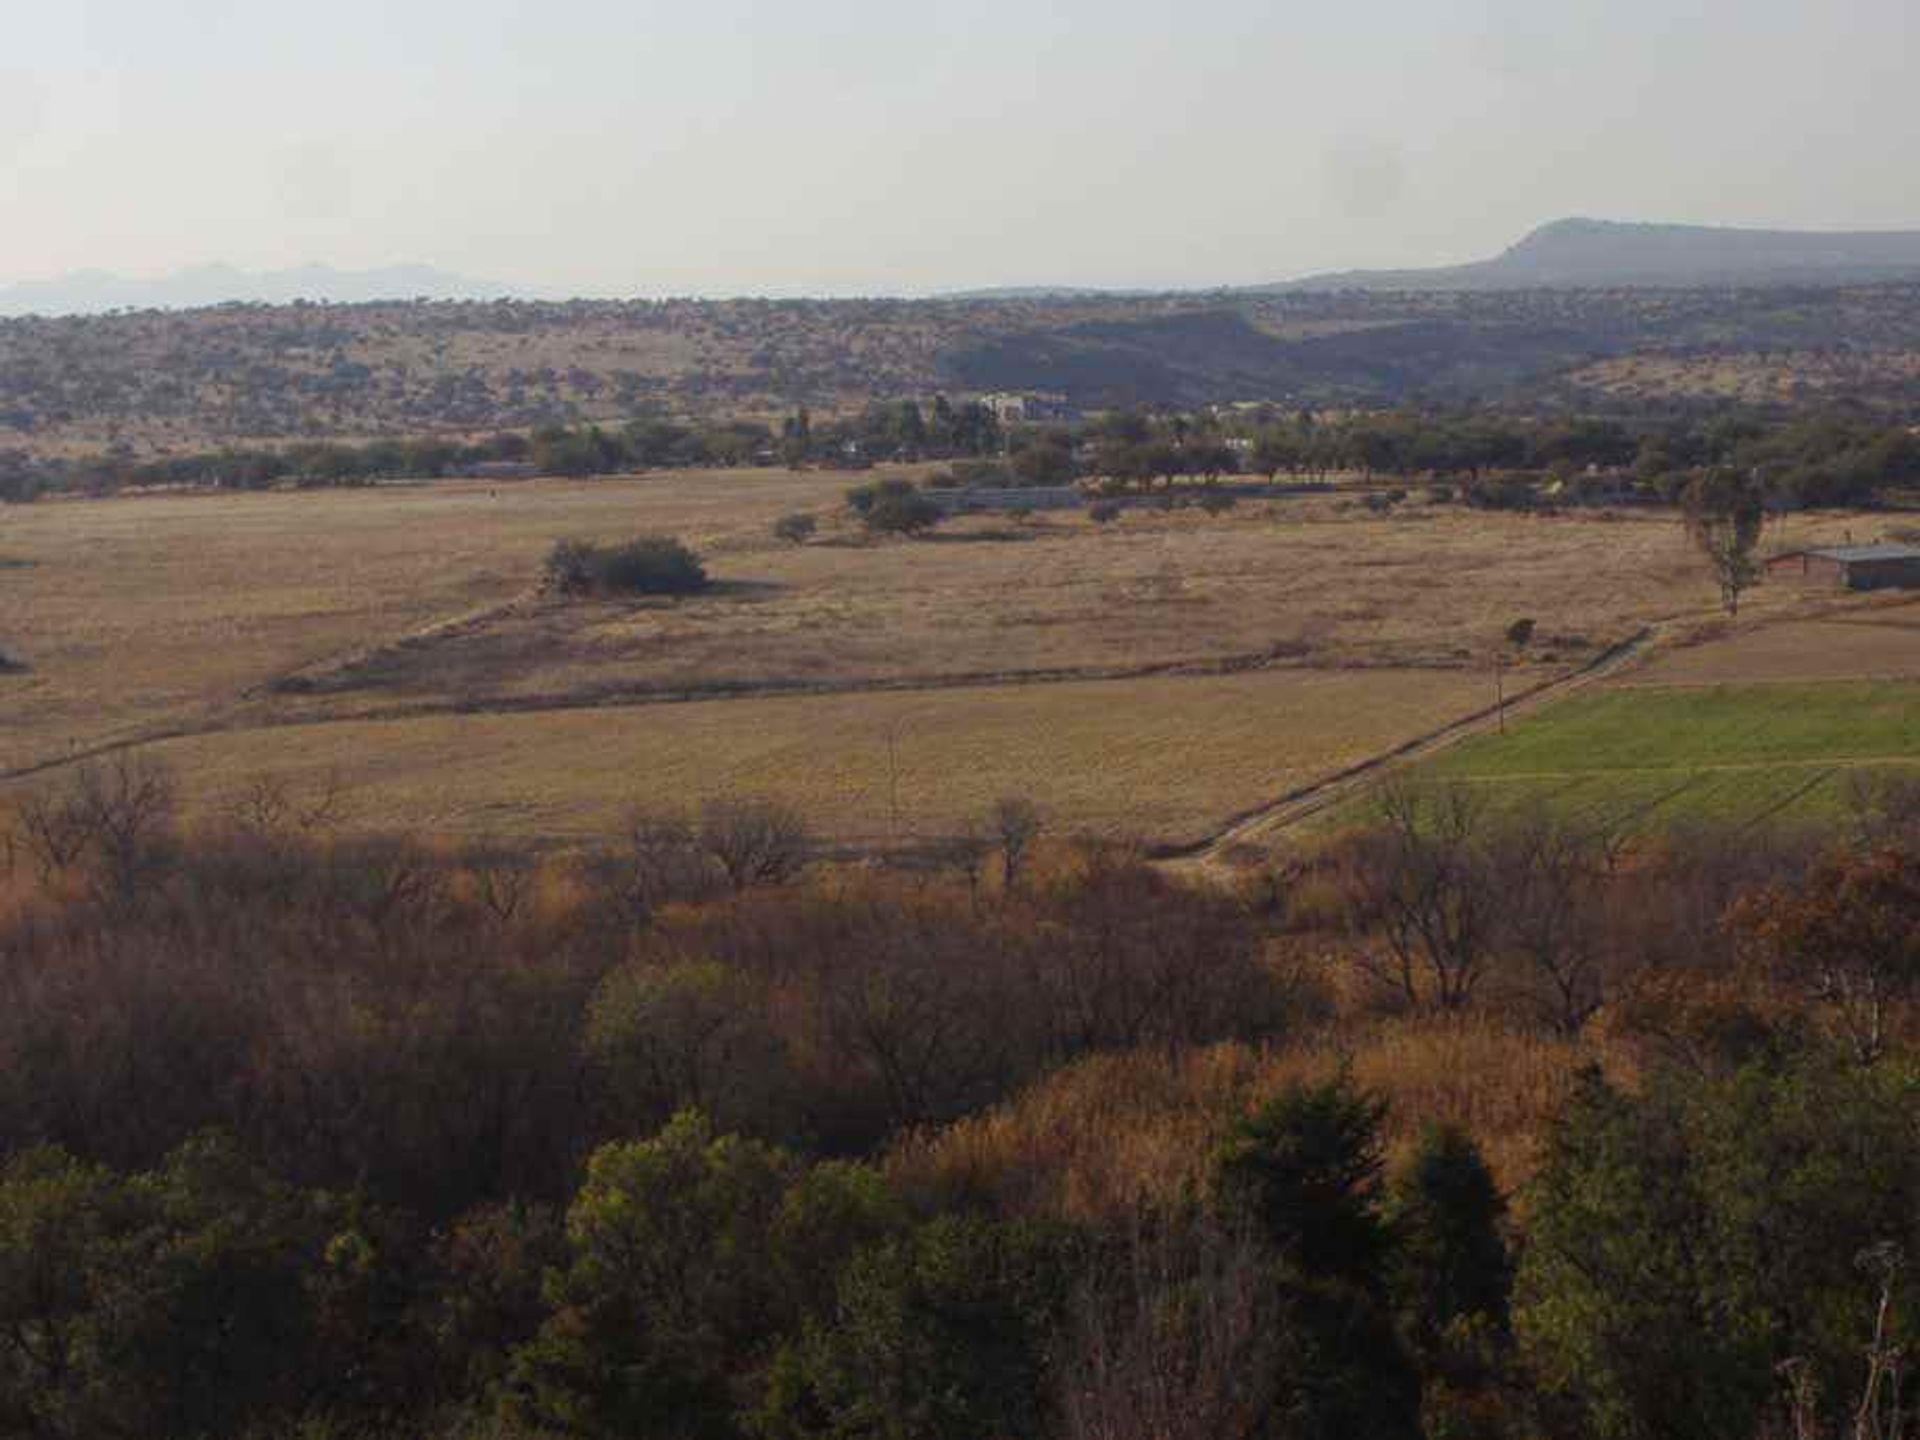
[(1422, 881), (1725, 512), (270, 805), (1882, 1413), (1175, 1343), (967, 853), (1554, 877), (662, 860), (756, 842), (113, 819), (503, 880), (1883, 809), (54, 830), (1015, 824)]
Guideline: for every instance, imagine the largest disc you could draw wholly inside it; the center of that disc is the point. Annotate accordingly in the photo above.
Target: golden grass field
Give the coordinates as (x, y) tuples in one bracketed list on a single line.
[(1153, 677), (1873, 639), (1160, 758)]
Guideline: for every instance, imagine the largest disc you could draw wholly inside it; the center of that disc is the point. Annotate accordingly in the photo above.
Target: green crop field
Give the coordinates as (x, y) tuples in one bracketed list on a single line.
[(1734, 752)]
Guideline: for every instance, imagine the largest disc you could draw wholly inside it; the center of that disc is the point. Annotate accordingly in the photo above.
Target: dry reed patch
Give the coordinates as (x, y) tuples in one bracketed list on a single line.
[(1167, 757), (1100, 1138)]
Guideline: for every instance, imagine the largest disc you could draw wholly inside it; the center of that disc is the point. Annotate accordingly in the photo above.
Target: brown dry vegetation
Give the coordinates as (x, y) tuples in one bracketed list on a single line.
[(1105, 1137), (1749, 377)]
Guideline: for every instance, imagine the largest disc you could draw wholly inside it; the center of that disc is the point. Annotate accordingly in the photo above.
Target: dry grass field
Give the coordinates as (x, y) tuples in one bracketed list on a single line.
[(154, 613), (1151, 677), (1874, 639), (1298, 582), (1161, 758)]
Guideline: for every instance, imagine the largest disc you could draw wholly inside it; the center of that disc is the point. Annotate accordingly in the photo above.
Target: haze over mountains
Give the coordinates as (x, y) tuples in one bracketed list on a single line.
[(1566, 254), (1610, 253), (92, 292)]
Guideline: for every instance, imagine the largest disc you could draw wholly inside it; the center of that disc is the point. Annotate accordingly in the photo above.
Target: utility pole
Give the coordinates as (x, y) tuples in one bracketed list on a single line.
[(893, 785)]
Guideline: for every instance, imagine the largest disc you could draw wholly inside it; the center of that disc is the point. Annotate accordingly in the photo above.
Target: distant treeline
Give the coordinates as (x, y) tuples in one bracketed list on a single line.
[(1838, 459)]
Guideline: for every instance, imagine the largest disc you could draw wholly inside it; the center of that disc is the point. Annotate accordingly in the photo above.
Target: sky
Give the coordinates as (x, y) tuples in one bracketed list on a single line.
[(728, 147)]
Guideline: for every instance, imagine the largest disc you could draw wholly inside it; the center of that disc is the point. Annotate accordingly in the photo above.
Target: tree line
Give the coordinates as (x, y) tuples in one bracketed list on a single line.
[(1494, 458)]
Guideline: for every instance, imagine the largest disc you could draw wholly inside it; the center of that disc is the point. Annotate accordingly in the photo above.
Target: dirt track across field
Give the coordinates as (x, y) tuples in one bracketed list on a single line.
[(1261, 826)]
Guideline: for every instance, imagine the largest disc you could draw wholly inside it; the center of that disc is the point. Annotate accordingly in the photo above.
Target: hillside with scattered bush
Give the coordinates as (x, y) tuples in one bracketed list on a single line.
[(159, 381)]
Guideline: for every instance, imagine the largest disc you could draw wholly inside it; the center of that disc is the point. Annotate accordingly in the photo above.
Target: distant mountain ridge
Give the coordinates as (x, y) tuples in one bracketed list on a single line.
[(92, 292), (1609, 254)]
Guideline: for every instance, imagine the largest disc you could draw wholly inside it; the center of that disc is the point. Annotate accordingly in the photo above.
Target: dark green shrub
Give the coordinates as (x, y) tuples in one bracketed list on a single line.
[(1305, 1170), (670, 1292), (796, 528), (649, 565), (894, 507), (1451, 1274), (1687, 1243), (936, 1335)]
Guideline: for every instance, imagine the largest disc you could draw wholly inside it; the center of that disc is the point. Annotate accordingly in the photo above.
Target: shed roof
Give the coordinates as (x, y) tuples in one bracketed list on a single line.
[(1854, 554)]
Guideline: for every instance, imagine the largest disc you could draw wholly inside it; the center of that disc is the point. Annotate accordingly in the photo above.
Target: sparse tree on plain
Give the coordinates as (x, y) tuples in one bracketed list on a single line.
[(797, 528), (1015, 824), (1725, 512)]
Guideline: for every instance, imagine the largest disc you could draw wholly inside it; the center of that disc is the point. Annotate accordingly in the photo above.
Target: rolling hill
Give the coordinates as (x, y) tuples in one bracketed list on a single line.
[(1612, 254)]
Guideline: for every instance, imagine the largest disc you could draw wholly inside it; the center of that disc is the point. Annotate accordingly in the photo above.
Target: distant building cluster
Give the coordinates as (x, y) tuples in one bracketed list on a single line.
[(1016, 408)]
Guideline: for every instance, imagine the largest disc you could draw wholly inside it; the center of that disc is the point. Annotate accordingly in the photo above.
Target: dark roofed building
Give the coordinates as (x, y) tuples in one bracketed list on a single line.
[(1884, 566)]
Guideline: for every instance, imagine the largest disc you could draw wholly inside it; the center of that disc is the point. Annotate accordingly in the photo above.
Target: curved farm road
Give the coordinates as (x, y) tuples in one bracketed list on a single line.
[(1269, 822)]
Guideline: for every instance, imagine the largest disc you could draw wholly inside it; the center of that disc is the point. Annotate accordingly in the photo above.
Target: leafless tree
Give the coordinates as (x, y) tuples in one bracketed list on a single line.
[(271, 805), (1882, 1413), (755, 841), (1422, 882), (1554, 877), (113, 818), (503, 880), (1725, 512), (1015, 824)]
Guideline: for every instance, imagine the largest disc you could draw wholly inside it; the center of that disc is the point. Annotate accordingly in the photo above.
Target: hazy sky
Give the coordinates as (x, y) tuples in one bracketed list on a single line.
[(863, 146)]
